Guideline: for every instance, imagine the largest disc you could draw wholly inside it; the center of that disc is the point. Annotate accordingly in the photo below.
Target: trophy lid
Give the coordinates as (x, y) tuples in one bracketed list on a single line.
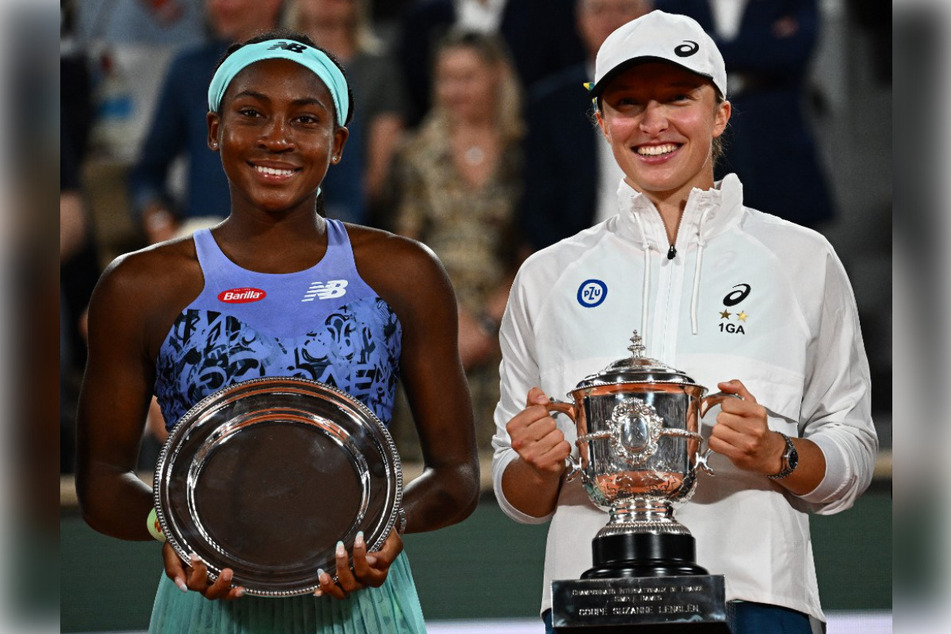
[(636, 369)]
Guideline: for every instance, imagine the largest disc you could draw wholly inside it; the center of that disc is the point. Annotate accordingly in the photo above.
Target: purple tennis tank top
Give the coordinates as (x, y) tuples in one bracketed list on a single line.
[(324, 323)]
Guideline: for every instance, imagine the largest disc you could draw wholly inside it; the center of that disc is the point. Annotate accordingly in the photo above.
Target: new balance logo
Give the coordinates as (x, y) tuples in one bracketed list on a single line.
[(289, 46), (326, 290)]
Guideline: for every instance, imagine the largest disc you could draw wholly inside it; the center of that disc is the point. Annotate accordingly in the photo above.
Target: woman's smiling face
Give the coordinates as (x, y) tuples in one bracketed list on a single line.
[(660, 120), (465, 84), (277, 135)]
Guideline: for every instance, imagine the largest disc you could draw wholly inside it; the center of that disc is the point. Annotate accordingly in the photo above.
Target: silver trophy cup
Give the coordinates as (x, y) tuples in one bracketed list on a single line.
[(638, 424), (639, 443)]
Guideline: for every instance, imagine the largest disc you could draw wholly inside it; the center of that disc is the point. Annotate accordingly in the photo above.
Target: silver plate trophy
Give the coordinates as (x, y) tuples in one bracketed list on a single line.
[(265, 476), (639, 443)]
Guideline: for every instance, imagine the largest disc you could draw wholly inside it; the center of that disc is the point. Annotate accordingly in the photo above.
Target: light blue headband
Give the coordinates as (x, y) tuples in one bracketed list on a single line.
[(307, 56)]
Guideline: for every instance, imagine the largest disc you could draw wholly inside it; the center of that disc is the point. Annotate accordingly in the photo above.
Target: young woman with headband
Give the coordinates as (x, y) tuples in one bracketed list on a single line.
[(278, 109)]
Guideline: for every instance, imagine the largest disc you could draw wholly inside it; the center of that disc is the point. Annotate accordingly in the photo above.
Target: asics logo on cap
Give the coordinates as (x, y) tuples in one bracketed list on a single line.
[(688, 48), (326, 290)]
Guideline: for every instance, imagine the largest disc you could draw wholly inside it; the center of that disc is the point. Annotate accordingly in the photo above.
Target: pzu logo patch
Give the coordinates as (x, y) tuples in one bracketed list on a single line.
[(591, 293)]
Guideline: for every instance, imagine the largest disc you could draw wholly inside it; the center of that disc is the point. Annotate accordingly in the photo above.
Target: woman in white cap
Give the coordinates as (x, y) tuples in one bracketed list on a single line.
[(277, 290), (734, 297)]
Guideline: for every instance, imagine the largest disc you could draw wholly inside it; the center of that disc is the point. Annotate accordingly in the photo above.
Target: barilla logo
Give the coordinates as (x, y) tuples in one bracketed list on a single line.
[(241, 295)]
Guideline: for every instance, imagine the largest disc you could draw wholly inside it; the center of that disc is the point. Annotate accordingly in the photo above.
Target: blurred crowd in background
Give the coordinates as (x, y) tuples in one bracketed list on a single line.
[(473, 134)]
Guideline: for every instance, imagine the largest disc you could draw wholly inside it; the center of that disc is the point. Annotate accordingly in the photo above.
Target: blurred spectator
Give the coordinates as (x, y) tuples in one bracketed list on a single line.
[(460, 180), (179, 129), (343, 28), (175, 23), (768, 47), (540, 35), (571, 177), (78, 258), (79, 270)]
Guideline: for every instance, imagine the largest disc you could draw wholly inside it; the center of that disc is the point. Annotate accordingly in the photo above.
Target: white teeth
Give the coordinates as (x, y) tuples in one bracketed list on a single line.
[(656, 150), (270, 171)]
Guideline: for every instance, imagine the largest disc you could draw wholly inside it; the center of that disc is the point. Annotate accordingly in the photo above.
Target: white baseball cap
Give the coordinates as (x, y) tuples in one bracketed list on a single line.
[(660, 36)]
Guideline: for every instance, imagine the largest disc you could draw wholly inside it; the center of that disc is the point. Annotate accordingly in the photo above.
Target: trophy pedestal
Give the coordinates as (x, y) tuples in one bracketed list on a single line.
[(643, 580), (639, 442), (643, 555), (688, 604)]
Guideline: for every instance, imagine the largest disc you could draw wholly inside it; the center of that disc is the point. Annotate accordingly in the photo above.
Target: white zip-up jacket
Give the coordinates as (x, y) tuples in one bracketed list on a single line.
[(747, 296)]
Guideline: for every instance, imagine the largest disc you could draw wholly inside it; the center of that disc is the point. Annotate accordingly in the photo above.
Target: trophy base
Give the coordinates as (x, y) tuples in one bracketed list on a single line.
[(690, 604), (643, 555)]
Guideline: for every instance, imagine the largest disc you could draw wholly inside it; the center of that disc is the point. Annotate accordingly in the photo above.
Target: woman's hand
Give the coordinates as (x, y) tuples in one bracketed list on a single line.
[(195, 576), (531, 483), (742, 432), (369, 569), (537, 439)]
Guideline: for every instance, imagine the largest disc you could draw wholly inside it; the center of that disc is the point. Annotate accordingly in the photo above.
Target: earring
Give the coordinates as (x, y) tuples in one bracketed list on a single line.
[(214, 145), (335, 158)]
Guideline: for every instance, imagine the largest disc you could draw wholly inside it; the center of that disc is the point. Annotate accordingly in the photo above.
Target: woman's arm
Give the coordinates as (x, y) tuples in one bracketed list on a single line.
[(113, 402), (131, 310), (411, 279)]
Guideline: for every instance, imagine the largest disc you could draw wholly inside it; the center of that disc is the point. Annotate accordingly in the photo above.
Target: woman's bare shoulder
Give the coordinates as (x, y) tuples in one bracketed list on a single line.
[(384, 254), (398, 268), (158, 264), (160, 275)]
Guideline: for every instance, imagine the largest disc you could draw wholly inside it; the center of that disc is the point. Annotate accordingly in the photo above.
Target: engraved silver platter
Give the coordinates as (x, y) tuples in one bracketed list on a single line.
[(265, 476)]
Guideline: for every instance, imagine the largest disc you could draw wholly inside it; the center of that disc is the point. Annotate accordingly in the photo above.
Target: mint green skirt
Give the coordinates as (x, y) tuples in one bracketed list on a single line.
[(391, 608)]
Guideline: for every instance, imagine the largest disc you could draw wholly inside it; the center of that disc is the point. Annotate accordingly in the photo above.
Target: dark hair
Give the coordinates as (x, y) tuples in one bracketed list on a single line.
[(287, 34), (719, 143)]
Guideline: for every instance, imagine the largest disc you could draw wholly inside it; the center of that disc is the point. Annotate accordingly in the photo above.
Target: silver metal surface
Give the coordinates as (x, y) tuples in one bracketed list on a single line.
[(638, 436), (265, 476)]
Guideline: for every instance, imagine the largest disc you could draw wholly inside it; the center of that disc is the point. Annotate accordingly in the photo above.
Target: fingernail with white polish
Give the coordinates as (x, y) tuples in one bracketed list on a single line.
[(181, 585), (359, 540), (341, 550)]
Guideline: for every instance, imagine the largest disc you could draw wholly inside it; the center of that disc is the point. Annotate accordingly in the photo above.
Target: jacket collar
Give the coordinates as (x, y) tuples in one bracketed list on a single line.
[(719, 208)]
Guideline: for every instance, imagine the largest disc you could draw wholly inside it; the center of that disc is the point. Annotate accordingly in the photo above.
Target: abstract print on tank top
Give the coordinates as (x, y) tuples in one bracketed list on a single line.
[(324, 323)]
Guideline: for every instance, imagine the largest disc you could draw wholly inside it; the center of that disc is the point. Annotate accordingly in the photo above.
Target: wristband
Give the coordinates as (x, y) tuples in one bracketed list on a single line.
[(401, 521), (155, 529)]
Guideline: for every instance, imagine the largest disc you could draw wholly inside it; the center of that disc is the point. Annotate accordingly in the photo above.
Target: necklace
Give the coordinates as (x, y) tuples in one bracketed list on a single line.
[(474, 155)]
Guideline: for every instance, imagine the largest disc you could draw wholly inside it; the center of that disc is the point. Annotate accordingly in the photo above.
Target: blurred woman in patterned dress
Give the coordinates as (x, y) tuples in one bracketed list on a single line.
[(460, 181)]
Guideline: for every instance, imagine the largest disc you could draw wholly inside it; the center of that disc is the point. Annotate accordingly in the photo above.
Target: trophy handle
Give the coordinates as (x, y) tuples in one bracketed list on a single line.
[(705, 404), (572, 464)]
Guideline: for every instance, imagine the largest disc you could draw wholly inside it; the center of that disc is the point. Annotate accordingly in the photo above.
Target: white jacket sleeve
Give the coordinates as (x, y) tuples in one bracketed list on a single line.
[(836, 404), (519, 373)]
